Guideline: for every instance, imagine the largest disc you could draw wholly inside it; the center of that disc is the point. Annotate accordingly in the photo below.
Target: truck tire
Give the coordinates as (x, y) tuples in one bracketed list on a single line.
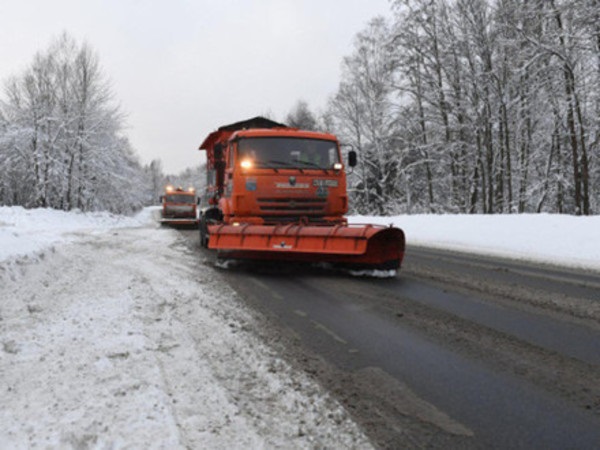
[(203, 231), (212, 216)]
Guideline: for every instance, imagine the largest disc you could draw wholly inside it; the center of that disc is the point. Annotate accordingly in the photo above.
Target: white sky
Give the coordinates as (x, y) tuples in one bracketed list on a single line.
[(182, 68)]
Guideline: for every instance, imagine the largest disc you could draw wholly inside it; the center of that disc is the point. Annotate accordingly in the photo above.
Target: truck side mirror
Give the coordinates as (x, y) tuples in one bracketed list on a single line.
[(198, 200), (160, 199), (352, 158)]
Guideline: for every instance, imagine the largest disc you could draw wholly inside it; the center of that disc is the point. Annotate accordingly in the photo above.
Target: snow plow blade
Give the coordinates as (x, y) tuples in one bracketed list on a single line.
[(180, 222), (355, 246)]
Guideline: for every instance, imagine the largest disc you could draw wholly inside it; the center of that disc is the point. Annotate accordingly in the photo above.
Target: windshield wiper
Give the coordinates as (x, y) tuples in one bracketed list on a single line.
[(311, 164), (266, 164), (293, 165), (276, 161)]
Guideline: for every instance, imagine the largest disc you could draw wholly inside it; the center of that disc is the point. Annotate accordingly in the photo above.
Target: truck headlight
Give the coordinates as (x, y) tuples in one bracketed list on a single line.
[(246, 164)]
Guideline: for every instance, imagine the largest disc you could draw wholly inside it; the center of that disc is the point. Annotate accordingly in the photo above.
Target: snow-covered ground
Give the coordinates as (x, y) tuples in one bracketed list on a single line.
[(114, 335), (25, 232)]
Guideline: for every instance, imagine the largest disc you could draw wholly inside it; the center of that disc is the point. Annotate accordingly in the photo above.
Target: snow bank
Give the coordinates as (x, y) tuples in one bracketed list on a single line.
[(29, 231), (549, 238)]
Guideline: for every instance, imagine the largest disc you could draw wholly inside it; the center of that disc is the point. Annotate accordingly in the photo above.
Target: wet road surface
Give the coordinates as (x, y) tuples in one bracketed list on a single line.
[(456, 350)]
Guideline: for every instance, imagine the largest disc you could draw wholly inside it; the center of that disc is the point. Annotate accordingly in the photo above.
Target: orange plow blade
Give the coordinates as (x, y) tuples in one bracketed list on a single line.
[(182, 222), (354, 245)]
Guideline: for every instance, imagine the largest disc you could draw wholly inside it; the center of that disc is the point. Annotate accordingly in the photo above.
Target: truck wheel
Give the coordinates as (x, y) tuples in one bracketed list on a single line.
[(203, 232)]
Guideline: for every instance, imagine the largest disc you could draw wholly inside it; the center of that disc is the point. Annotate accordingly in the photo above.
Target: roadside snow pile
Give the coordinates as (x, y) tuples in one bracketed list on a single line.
[(29, 231), (122, 338), (550, 238)]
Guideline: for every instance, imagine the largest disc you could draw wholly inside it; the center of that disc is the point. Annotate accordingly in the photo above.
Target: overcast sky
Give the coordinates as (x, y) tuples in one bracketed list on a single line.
[(182, 68)]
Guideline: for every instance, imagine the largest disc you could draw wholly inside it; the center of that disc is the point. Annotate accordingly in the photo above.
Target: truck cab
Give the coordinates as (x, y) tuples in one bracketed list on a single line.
[(281, 176), (179, 206)]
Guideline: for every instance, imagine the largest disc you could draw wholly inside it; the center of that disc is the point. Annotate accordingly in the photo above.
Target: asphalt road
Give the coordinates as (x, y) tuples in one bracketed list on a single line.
[(456, 350)]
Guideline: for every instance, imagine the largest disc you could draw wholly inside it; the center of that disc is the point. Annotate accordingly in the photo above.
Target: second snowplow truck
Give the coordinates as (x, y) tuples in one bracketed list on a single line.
[(178, 207), (279, 193)]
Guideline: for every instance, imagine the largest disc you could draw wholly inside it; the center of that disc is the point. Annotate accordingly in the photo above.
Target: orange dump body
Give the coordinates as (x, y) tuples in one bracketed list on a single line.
[(278, 193)]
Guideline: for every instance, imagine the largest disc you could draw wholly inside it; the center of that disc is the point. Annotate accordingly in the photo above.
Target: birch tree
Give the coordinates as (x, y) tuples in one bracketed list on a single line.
[(366, 89)]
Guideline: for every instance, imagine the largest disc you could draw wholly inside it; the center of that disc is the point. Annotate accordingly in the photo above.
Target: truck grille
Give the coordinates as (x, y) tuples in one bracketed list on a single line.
[(295, 206)]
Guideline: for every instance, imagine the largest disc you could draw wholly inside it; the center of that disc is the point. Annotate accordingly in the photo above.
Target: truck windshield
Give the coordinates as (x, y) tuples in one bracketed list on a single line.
[(179, 198), (286, 152)]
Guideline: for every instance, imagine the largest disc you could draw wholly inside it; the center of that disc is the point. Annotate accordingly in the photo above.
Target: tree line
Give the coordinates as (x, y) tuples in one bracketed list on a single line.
[(62, 144), (474, 106), (62, 139), (461, 106)]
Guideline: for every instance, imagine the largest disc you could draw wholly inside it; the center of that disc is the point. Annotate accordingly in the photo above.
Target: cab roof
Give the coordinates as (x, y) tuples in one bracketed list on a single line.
[(255, 127), (222, 134), (282, 132)]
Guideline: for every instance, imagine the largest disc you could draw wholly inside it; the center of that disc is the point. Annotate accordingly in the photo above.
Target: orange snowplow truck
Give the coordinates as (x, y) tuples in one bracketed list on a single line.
[(279, 193), (179, 207)]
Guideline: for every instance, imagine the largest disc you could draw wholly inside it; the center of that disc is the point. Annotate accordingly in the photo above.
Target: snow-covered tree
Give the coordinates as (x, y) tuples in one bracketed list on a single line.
[(61, 140), (301, 117), (364, 110), (475, 106)]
